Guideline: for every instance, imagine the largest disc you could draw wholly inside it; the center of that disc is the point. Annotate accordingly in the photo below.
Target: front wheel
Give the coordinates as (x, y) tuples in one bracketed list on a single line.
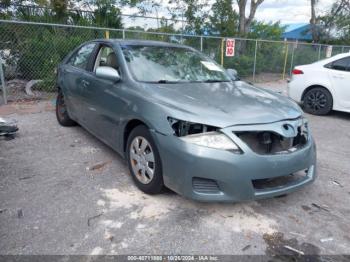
[(144, 161), (318, 101)]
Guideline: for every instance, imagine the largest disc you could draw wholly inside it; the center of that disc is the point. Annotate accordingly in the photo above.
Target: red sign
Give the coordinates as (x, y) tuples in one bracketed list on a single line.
[(230, 47)]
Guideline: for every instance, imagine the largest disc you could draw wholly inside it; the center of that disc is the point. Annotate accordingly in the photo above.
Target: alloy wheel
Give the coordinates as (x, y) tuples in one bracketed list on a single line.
[(142, 159), (316, 100)]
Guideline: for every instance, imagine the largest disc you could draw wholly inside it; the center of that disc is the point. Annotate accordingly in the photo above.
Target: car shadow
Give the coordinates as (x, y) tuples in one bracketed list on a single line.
[(340, 115)]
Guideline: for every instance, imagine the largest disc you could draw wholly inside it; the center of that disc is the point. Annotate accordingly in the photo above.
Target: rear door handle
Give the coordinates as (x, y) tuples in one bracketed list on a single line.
[(339, 76)]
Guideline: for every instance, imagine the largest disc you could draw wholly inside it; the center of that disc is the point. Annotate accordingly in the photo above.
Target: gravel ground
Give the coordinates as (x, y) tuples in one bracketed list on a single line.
[(64, 192)]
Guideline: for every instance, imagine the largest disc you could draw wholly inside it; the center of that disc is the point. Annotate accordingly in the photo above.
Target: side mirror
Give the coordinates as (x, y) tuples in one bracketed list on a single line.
[(232, 74), (108, 73)]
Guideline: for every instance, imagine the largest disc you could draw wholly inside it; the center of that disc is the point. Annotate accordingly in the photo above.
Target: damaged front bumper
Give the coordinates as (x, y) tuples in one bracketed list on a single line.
[(208, 174)]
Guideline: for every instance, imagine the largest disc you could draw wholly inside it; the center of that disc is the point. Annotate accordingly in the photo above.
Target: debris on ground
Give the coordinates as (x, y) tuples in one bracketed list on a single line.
[(29, 85), (26, 177), (20, 213), (109, 236), (306, 208), (325, 208), (294, 218), (335, 182), (92, 218), (326, 239), (246, 247), (17, 91), (297, 234), (278, 245), (225, 216), (295, 250), (76, 141), (89, 150), (97, 166)]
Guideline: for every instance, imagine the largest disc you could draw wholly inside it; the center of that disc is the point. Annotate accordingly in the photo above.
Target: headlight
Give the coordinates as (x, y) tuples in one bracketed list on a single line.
[(215, 140), (202, 135)]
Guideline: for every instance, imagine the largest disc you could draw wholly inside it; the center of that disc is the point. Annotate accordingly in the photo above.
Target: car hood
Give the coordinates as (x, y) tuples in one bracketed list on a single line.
[(223, 104)]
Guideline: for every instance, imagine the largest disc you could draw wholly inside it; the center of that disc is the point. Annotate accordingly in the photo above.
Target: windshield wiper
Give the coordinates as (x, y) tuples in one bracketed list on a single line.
[(163, 81), (214, 81)]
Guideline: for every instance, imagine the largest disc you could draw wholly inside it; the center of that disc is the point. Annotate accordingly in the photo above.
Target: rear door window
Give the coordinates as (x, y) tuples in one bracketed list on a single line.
[(81, 58), (341, 64)]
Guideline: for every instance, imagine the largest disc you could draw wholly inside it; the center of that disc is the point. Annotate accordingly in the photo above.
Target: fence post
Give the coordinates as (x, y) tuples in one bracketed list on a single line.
[(285, 60), (3, 84), (255, 52), (342, 49), (201, 43), (292, 58), (222, 51), (319, 52), (107, 34), (123, 33)]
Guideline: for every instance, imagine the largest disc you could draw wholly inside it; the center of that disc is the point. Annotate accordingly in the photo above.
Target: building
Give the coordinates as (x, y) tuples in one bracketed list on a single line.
[(300, 32)]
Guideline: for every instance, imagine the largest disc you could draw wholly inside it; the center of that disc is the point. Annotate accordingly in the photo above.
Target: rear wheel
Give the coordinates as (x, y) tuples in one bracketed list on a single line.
[(61, 111), (144, 161), (318, 101)]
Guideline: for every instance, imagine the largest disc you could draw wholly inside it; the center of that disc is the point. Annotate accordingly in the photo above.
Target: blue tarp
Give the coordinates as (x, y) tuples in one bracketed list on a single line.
[(298, 32)]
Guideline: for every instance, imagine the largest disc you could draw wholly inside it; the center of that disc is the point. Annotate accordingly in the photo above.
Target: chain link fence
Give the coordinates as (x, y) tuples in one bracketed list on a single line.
[(30, 53), (81, 17)]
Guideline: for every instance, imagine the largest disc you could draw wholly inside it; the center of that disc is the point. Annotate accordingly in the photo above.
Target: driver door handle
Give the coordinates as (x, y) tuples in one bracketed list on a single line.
[(85, 83)]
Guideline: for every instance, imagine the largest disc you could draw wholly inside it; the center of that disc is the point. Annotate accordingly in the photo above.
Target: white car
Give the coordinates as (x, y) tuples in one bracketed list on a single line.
[(322, 86)]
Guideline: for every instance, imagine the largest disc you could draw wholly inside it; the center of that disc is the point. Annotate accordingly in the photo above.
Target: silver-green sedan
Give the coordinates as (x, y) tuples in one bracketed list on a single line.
[(184, 122)]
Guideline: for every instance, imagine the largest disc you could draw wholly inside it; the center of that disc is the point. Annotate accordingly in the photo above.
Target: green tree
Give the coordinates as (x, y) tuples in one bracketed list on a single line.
[(270, 30), (195, 12), (334, 25), (107, 14), (223, 20)]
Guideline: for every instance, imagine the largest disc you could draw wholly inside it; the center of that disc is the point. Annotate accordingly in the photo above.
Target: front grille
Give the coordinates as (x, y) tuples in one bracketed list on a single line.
[(267, 142), (275, 182), (206, 186)]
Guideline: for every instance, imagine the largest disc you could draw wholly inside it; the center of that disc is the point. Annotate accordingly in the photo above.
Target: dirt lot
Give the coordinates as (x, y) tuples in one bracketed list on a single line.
[(64, 192)]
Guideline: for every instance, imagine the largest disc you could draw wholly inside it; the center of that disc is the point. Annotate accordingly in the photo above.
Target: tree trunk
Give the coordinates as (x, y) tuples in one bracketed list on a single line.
[(245, 22), (242, 19), (313, 21)]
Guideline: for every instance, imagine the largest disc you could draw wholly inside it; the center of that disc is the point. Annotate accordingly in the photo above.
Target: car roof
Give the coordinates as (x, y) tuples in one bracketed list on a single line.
[(141, 42), (331, 59), (340, 55)]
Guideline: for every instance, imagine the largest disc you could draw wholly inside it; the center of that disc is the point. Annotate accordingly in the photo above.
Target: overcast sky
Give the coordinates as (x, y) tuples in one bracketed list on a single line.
[(289, 11), (285, 11)]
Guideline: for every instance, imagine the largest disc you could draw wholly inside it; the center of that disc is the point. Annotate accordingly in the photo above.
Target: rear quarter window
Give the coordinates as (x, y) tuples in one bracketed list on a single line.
[(342, 64)]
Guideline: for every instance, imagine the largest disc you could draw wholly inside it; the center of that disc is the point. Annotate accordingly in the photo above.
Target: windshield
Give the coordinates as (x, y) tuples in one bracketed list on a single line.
[(162, 64)]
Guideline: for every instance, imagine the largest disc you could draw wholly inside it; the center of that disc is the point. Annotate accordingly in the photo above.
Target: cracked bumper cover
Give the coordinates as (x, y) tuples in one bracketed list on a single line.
[(182, 161)]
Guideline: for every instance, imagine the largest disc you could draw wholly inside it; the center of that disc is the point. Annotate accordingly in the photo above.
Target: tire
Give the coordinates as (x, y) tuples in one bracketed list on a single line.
[(61, 111), (143, 157), (318, 101)]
